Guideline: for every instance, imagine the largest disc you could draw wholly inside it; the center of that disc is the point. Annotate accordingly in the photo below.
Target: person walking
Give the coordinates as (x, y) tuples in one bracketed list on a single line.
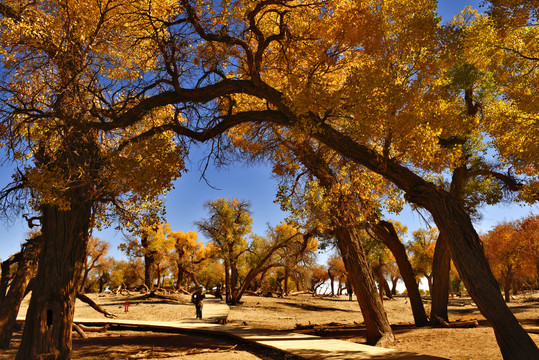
[(197, 298)]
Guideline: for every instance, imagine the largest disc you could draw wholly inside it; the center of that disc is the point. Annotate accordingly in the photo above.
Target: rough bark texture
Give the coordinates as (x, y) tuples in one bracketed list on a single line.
[(464, 243), (149, 263), (441, 265), (9, 307), (387, 233), (376, 322), (467, 252), (47, 331)]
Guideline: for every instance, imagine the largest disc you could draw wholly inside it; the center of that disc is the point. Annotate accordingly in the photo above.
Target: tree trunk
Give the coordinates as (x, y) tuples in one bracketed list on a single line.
[(227, 282), (382, 282), (464, 243), (331, 283), (441, 265), (376, 322), (394, 282), (285, 281), (148, 263), (387, 233), (233, 283), (47, 330), (467, 253), (11, 303), (180, 277), (508, 280)]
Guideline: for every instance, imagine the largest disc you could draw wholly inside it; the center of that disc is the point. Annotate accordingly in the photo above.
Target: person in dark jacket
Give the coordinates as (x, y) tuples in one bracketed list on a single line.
[(197, 298)]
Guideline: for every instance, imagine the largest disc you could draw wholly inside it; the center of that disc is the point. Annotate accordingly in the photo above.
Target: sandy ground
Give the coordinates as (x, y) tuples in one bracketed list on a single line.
[(334, 317)]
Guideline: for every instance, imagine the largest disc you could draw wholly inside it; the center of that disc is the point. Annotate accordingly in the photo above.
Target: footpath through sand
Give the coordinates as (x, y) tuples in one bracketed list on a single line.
[(301, 345)]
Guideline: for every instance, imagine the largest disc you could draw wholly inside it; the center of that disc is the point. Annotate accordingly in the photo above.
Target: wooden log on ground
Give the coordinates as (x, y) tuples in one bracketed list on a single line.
[(458, 324), (100, 329), (79, 331)]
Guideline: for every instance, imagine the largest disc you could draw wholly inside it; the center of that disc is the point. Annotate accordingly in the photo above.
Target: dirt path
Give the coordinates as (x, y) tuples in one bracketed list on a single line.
[(326, 317)]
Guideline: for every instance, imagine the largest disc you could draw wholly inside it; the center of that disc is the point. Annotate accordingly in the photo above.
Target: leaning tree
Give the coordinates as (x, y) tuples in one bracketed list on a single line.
[(63, 62)]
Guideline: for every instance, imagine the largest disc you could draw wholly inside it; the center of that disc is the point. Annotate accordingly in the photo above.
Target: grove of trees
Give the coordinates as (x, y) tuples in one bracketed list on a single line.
[(366, 103)]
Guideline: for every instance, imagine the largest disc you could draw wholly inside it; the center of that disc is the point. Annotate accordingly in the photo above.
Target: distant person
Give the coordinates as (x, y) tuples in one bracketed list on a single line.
[(197, 298), (218, 292), (350, 293)]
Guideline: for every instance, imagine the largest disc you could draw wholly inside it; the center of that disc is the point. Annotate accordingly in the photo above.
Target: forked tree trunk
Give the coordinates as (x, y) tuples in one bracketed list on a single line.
[(387, 233), (9, 307), (441, 265), (47, 330), (376, 322), (507, 283), (382, 282)]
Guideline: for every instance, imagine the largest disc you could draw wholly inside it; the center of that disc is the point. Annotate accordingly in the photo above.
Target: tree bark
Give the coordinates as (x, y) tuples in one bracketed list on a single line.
[(466, 251), (9, 307), (47, 331), (227, 283), (382, 282), (285, 281), (148, 263), (376, 322), (507, 283), (464, 244), (441, 265), (82, 297), (387, 233)]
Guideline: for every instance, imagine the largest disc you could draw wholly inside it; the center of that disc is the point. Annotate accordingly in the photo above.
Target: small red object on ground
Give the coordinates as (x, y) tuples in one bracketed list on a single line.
[(126, 306)]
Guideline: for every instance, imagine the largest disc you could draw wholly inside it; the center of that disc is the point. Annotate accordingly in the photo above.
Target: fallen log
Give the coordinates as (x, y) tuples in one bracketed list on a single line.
[(458, 324), (294, 293), (100, 329), (79, 331)]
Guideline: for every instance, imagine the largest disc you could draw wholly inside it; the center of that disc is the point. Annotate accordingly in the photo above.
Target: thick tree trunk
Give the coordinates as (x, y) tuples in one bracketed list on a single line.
[(47, 330), (394, 282), (467, 253), (331, 283), (382, 282), (9, 307), (441, 265), (148, 264), (376, 322), (464, 243), (507, 284), (387, 233)]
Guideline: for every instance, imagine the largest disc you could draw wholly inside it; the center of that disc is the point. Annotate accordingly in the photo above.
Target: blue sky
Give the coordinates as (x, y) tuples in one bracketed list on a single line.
[(251, 183)]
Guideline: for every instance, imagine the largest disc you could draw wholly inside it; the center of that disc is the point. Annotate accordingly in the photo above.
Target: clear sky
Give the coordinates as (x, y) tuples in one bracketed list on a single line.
[(253, 183)]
